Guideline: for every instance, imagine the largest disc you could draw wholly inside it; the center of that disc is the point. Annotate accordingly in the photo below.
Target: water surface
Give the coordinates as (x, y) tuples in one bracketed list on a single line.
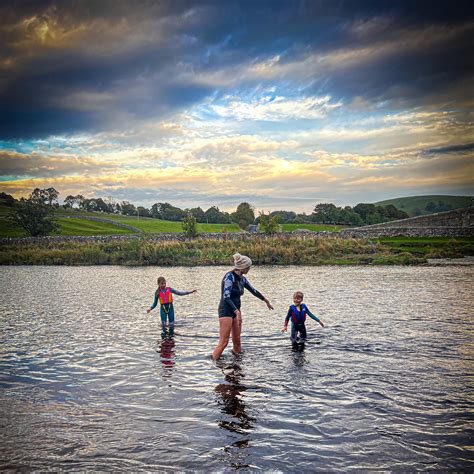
[(88, 380)]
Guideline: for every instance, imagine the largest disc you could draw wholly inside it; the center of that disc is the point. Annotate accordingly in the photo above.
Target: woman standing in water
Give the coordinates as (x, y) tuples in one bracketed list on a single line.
[(230, 318)]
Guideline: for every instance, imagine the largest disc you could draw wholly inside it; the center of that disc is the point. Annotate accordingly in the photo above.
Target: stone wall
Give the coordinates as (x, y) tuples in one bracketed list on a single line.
[(458, 218), (366, 233), (457, 223), (232, 236)]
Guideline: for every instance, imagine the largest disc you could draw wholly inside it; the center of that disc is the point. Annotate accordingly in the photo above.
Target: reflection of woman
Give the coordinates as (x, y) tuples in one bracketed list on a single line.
[(232, 403), (230, 318)]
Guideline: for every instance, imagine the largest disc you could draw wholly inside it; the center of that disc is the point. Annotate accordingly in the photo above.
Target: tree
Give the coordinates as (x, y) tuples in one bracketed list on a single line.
[(167, 212), (143, 211), (35, 218), (128, 209), (52, 196), (326, 213), (199, 214), (268, 223), (214, 216), (69, 201), (39, 196), (44, 196), (190, 225), (284, 216), (244, 215)]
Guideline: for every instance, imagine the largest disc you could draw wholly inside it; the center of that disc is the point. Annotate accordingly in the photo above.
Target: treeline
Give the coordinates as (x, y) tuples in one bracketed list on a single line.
[(244, 215), (159, 210), (327, 213)]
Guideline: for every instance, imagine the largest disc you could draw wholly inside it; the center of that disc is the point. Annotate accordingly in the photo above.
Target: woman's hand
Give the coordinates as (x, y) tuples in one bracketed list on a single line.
[(238, 314), (269, 306)]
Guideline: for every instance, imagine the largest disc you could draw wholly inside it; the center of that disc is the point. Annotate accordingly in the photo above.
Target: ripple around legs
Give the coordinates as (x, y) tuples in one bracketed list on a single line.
[(91, 382)]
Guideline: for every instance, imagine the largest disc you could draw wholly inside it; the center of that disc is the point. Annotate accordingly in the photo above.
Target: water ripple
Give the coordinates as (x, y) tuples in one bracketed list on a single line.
[(89, 381)]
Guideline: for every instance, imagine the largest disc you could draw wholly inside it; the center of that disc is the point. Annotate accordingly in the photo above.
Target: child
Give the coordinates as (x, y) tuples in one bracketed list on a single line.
[(297, 313), (164, 295)]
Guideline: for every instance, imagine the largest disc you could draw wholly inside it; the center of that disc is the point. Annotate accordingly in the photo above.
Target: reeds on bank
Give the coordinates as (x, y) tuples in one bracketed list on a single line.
[(201, 251)]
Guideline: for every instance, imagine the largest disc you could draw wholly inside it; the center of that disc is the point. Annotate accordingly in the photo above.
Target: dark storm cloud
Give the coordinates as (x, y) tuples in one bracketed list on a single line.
[(465, 148), (143, 55)]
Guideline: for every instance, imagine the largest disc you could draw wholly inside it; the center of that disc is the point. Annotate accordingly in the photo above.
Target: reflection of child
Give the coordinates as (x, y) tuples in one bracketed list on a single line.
[(297, 312), (164, 295)]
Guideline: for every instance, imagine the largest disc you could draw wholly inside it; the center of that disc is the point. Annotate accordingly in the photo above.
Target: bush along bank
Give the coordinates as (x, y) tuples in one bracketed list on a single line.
[(277, 250)]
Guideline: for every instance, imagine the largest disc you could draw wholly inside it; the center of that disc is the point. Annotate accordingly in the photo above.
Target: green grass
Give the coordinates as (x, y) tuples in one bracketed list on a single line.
[(313, 227), (81, 227), (410, 204), (278, 250), (435, 247)]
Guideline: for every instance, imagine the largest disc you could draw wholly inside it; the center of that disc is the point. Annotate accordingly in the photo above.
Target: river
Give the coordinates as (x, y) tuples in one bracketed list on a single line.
[(90, 382)]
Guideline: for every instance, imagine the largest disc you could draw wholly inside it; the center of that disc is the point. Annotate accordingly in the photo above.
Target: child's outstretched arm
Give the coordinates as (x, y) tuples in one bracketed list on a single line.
[(155, 302), (312, 316), (287, 319), (181, 293)]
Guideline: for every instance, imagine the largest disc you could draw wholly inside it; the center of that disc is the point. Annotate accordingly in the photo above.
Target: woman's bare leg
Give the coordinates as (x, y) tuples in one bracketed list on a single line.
[(236, 330), (225, 327)]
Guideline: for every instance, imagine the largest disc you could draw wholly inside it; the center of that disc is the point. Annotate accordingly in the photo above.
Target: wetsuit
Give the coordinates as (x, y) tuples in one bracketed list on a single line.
[(167, 309), (297, 321), (232, 288)]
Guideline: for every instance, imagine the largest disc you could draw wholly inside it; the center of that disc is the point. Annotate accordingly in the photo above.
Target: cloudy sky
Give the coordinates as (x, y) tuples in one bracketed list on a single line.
[(282, 104)]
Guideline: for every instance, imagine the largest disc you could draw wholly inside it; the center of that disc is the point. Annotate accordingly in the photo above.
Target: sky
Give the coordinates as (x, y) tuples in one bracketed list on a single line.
[(282, 104)]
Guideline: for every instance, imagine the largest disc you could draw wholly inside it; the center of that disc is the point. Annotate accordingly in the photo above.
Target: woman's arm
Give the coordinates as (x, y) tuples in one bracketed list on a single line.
[(252, 290), (227, 289), (256, 293)]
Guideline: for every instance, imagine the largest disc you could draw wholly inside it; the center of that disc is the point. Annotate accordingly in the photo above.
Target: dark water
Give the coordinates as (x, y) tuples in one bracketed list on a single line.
[(88, 382)]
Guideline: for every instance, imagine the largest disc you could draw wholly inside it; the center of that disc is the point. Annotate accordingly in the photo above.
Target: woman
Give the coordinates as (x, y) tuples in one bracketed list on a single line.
[(230, 318)]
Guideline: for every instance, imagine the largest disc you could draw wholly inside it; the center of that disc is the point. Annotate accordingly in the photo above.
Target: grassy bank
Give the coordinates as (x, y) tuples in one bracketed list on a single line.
[(144, 251), (433, 247)]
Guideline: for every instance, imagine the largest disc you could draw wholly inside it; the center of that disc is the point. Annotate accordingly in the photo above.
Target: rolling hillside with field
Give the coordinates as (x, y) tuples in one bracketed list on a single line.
[(422, 205), (79, 223)]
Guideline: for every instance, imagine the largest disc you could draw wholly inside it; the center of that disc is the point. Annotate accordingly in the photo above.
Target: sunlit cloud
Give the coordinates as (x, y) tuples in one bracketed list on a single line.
[(205, 103)]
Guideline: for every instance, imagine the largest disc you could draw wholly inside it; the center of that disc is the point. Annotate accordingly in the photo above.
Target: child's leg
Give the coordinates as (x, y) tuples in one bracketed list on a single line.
[(171, 314), (294, 333), (163, 315), (303, 333)]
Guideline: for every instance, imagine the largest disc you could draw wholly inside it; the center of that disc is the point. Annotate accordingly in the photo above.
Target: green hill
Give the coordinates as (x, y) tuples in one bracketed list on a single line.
[(84, 227), (421, 205)]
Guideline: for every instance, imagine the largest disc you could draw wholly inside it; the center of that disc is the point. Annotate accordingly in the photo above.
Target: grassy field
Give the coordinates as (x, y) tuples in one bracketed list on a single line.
[(410, 204), (84, 227)]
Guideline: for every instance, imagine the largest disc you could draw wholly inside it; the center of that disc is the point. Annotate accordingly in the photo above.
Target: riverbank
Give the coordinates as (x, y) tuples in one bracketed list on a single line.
[(294, 250)]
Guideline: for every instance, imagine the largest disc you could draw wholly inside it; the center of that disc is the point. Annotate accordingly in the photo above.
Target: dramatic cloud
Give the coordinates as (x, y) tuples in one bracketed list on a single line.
[(283, 104)]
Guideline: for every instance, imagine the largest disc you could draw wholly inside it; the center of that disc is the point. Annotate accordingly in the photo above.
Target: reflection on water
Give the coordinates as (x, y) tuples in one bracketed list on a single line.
[(166, 350), (90, 382), (231, 400)]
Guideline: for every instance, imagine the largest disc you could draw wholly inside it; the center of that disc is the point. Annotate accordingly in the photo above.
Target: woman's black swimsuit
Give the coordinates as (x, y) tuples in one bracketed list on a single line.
[(232, 288)]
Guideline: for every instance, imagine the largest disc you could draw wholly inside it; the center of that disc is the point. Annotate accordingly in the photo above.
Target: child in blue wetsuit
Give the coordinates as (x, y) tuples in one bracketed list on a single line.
[(164, 295), (297, 313)]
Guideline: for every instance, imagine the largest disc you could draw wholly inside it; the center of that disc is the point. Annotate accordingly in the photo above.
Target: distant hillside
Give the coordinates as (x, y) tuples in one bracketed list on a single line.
[(422, 205)]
